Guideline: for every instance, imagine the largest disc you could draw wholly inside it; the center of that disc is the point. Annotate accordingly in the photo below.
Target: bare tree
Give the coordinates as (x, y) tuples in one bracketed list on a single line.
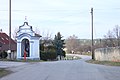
[(116, 31), (15, 33), (37, 31), (72, 44), (109, 39), (45, 35), (112, 38)]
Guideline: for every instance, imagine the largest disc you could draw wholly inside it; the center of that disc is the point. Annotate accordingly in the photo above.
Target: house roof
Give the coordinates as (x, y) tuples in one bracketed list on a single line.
[(4, 42)]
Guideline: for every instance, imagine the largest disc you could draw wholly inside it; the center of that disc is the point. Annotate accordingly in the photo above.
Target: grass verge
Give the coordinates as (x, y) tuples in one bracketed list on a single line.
[(108, 63), (4, 72), (71, 57), (22, 60)]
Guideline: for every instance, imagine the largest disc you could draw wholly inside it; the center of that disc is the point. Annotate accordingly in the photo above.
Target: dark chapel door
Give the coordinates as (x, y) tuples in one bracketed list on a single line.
[(25, 48)]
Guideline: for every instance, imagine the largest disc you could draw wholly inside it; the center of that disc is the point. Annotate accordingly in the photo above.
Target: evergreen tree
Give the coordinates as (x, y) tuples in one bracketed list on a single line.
[(59, 44)]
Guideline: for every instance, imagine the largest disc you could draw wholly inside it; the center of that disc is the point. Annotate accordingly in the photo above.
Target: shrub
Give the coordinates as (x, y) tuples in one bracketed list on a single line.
[(0, 54), (64, 53), (3, 54), (52, 55), (49, 55), (43, 55)]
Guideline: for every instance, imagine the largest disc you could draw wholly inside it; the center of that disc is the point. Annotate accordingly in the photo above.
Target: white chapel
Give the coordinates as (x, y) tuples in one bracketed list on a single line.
[(28, 41)]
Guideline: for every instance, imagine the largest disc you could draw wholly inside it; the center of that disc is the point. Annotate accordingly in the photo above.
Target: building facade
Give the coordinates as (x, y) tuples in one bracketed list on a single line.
[(27, 43), (4, 45)]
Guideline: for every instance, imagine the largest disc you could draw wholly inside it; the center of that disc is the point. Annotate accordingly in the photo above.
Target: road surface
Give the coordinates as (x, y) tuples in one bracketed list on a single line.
[(63, 70)]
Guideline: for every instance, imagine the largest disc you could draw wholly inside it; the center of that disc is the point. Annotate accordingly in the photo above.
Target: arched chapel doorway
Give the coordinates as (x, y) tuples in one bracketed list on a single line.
[(25, 47)]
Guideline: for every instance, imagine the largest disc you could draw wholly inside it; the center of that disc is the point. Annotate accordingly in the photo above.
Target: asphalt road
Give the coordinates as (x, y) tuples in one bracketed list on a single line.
[(62, 70)]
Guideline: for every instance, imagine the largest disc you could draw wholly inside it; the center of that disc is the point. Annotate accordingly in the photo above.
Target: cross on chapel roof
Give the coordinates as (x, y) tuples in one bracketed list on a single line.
[(25, 26), (25, 22)]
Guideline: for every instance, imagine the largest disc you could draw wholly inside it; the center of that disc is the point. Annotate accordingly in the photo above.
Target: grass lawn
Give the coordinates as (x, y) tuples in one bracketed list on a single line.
[(108, 63), (4, 72)]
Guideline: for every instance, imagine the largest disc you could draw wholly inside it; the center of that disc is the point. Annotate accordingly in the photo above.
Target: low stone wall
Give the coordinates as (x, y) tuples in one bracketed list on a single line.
[(108, 54)]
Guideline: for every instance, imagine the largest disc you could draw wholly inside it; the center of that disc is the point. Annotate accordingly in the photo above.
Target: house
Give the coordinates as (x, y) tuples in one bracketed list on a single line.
[(4, 44)]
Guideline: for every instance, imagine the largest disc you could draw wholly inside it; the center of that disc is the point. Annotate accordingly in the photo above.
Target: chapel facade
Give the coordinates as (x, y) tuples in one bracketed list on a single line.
[(28, 43)]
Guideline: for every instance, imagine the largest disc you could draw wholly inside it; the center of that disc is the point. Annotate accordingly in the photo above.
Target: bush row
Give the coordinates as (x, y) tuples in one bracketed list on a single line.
[(48, 55)]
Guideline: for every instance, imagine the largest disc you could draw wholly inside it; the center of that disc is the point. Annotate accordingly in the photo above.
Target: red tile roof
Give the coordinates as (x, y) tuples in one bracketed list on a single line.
[(4, 41)]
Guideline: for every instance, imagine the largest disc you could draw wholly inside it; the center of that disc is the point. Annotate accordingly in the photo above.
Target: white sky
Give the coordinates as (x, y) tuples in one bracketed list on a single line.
[(66, 16)]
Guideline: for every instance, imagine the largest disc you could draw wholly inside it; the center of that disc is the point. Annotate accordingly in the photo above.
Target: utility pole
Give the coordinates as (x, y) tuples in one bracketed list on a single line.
[(10, 28), (92, 46)]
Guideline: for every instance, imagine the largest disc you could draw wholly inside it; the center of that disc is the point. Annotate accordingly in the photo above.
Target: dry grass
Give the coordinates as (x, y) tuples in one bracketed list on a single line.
[(71, 57), (4, 72), (109, 63)]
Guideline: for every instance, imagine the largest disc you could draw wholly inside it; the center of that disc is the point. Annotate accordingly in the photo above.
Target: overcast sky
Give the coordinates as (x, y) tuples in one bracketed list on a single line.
[(66, 16)]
